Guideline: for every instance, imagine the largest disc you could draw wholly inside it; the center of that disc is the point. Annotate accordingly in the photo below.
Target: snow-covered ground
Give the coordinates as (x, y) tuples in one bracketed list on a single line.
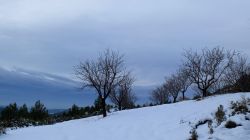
[(165, 122)]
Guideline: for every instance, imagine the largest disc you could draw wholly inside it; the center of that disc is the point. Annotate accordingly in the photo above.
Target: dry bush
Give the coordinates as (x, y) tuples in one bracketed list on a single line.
[(220, 115)]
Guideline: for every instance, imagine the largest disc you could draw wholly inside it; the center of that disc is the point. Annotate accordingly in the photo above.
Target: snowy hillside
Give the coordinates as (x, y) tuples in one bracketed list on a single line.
[(166, 122)]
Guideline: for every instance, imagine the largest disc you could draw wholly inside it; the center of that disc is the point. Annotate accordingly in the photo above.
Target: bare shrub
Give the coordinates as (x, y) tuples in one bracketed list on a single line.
[(240, 107), (220, 115), (194, 135)]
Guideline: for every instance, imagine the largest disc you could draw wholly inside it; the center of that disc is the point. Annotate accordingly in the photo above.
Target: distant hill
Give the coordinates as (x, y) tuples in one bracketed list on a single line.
[(56, 111)]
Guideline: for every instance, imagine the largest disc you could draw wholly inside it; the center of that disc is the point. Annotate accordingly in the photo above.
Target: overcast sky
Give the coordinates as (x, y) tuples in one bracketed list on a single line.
[(54, 35)]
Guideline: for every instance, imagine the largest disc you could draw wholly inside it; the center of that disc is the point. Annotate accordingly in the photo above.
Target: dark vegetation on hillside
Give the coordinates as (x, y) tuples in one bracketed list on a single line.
[(13, 116)]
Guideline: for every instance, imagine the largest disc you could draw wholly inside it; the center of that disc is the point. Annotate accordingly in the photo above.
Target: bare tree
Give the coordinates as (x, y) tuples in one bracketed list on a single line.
[(103, 74), (183, 80), (160, 95), (173, 87), (207, 68), (122, 96), (237, 70)]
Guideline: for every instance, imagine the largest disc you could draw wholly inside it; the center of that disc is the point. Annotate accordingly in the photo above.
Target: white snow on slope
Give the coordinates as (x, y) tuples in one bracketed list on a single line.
[(165, 122)]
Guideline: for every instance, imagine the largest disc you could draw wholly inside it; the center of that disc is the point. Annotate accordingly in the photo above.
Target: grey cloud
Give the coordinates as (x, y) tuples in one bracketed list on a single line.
[(53, 36)]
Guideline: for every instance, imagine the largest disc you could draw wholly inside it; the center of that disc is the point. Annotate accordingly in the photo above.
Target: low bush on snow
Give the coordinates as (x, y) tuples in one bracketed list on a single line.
[(220, 115), (194, 135), (231, 124), (240, 107)]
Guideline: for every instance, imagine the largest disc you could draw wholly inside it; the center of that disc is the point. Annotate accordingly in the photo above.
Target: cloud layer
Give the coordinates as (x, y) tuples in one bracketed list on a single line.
[(54, 35)]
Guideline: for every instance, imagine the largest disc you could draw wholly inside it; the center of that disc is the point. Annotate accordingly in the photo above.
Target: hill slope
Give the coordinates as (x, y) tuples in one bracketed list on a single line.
[(166, 122)]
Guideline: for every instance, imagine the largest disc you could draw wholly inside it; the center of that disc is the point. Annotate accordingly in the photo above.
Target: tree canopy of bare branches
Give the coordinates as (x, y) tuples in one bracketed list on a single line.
[(173, 86), (122, 96), (103, 74), (160, 95), (236, 71), (183, 80), (208, 67)]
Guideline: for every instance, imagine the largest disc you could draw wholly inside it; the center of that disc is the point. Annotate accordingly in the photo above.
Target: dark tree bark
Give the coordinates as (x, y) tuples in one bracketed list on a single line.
[(104, 112), (183, 95)]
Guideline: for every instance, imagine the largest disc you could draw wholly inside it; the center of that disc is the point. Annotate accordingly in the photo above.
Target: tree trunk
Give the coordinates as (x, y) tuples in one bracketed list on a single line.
[(175, 99), (204, 93), (183, 96), (120, 106), (104, 112)]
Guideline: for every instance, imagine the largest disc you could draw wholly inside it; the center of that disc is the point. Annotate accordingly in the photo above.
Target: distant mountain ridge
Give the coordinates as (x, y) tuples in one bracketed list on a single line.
[(23, 86)]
